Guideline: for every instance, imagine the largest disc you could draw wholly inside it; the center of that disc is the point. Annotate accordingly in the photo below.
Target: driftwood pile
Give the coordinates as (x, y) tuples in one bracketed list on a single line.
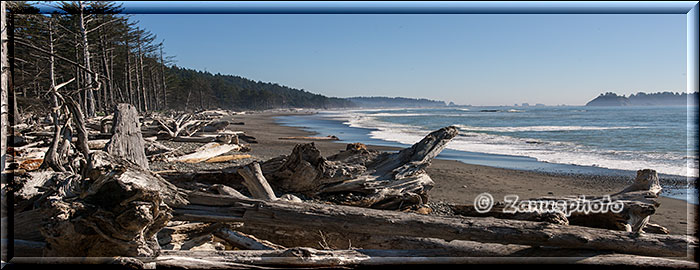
[(108, 206)]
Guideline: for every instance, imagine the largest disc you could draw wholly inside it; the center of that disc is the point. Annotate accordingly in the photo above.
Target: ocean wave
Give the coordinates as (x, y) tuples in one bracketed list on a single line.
[(536, 128), (545, 151), (400, 114)]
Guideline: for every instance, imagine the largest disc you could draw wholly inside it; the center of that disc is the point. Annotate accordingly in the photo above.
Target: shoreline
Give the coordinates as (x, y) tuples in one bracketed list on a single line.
[(460, 183), (675, 185)]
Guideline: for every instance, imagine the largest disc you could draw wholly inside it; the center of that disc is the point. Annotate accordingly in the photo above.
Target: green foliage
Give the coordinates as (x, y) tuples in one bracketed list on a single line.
[(238, 93)]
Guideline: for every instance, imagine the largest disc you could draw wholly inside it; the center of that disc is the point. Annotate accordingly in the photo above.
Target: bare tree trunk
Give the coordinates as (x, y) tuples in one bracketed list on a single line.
[(105, 70), (154, 93), (51, 159), (138, 89), (129, 89), (111, 76), (162, 73), (143, 82), (79, 121), (89, 94)]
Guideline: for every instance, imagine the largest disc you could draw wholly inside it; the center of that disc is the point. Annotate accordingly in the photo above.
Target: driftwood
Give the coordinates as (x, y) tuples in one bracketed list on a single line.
[(388, 181), (245, 241), (226, 158), (126, 141), (189, 236), (97, 144), (216, 126), (256, 183), (496, 211), (206, 152), (639, 199), (182, 124), (308, 216), (116, 213)]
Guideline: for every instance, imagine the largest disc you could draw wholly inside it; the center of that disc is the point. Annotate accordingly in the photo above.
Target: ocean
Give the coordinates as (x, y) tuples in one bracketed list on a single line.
[(562, 139)]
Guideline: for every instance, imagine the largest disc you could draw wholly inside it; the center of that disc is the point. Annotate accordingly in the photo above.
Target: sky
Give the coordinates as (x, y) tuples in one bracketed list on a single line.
[(475, 59)]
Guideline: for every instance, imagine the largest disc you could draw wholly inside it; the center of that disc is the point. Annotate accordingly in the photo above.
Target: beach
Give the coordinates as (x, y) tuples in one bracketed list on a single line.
[(459, 183)]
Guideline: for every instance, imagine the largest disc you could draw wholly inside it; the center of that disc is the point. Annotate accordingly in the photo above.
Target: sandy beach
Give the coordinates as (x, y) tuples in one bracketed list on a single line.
[(460, 183)]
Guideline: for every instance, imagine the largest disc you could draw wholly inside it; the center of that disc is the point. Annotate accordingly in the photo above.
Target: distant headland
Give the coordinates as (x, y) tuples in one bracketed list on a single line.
[(387, 102), (644, 99)]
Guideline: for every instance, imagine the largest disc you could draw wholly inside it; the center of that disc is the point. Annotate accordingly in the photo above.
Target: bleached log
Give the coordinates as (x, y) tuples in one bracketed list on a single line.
[(228, 191), (256, 183), (312, 216), (126, 141), (226, 158), (639, 200), (388, 180), (205, 152), (496, 211), (244, 241), (97, 144)]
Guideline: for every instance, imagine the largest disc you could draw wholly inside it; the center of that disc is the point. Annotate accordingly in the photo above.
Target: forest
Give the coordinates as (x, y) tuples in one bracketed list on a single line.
[(90, 53)]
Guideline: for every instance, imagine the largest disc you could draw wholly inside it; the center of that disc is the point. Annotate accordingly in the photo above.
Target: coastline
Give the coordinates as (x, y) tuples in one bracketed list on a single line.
[(460, 183)]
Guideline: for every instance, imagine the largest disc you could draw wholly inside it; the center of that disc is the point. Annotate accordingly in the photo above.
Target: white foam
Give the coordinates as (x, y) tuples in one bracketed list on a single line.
[(536, 128), (546, 151)]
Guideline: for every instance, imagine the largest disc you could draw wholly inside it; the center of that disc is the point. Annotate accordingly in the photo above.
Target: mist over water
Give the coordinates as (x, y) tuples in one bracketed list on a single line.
[(623, 138)]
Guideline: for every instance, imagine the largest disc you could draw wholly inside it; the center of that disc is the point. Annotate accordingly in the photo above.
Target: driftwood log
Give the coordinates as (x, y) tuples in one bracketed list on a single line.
[(313, 216), (126, 141), (115, 211), (387, 180), (639, 199), (183, 124), (207, 151)]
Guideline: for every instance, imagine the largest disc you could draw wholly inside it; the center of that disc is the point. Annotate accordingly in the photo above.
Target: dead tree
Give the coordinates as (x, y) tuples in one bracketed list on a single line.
[(126, 141), (77, 116), (182, 124)]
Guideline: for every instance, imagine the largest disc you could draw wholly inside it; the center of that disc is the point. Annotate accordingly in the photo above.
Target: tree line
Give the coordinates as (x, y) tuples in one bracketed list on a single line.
[(90, 53)]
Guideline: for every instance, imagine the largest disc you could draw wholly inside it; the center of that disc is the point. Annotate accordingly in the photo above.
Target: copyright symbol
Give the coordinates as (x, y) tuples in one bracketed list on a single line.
[(483, 203)]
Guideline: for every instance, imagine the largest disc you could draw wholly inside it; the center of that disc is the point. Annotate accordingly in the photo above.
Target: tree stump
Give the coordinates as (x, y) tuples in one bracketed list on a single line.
[(126, 141)]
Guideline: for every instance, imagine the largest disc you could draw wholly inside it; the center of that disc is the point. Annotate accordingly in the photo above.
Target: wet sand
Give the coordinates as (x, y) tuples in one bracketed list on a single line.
[(457, 182)]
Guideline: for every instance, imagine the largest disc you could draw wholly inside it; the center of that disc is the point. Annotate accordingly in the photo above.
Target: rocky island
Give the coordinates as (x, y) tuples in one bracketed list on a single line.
[(644, 99)]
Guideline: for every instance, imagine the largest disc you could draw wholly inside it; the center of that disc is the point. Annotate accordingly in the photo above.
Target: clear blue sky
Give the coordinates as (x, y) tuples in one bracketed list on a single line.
[(469, 59)]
